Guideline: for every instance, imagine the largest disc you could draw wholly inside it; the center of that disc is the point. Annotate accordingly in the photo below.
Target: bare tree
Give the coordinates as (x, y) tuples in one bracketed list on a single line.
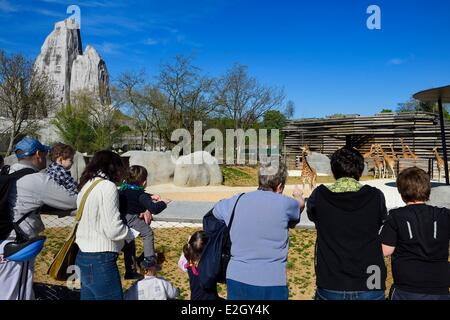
[(289, 110), (189, 94), (241, 98), (26, 96)]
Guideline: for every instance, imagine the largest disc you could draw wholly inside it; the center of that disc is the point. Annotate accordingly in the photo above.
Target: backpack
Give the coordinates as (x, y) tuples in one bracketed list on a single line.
[(212, 267), (6, 181)]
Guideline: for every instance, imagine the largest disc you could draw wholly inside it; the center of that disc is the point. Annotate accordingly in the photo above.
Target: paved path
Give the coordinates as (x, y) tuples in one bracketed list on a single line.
[(190, 213)]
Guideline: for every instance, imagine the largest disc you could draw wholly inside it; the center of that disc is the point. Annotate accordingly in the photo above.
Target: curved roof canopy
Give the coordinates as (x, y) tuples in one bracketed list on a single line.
[(434, 95)]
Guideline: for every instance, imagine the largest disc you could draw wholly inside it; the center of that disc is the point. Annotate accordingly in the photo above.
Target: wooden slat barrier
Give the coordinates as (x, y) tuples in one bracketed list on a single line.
[(420, 131)]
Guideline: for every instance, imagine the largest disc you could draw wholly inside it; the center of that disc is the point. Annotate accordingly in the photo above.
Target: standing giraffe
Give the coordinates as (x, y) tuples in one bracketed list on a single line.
[(439, 162), (369, 153), (393, 154), (407, 153), (309, 175), (390, 162), (380, 165)]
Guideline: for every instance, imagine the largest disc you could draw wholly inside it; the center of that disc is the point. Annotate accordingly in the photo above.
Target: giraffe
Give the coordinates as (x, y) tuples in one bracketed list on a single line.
[(439, 162), (379, 164), (390, 162), (407, 153), (393, 154), (309, 175), (369, 153)]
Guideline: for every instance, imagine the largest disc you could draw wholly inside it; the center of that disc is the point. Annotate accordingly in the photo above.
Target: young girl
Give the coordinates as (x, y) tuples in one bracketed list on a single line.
[(152, 287), (188, 262), (61, 156), (133, 202)]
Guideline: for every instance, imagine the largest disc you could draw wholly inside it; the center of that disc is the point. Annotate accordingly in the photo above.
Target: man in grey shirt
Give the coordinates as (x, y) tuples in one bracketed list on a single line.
[(259, 237), (27, 195)]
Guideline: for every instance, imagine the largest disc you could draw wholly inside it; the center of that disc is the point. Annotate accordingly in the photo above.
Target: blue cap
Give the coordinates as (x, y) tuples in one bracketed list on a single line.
[(29, 146)]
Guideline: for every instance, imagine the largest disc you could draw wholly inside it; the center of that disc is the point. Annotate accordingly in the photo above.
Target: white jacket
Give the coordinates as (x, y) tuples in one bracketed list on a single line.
[(100, 228), (152, 288)]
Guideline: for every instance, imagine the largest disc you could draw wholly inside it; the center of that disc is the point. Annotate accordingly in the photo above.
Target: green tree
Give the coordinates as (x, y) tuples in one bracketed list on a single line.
[(88, 125), (273, 119), (386, 111), (413, 105), (74, 127)]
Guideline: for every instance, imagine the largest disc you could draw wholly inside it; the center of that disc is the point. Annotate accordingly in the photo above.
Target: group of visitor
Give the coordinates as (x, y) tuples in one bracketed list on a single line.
[(355, 231)]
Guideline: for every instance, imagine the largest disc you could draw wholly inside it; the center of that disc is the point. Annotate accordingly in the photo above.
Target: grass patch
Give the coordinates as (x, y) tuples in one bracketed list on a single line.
[(247, 176), (300, 265)]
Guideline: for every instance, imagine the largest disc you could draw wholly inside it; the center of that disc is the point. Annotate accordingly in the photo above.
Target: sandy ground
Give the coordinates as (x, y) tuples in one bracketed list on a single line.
[(216, 193)]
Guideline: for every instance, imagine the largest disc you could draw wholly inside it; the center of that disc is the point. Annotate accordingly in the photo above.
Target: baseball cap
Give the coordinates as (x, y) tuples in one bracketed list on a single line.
[(29, 146)]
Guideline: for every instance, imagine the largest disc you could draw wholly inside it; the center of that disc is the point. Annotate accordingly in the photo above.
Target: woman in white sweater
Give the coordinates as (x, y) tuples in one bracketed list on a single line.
[(101, 232)]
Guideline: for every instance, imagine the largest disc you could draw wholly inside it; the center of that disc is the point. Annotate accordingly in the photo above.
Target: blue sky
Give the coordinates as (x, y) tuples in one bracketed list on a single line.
[(320, 51)]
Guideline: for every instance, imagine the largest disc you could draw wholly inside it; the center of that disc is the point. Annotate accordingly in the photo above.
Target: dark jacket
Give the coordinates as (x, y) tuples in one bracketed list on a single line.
[(348, 246), (198, 292), (134, 202)]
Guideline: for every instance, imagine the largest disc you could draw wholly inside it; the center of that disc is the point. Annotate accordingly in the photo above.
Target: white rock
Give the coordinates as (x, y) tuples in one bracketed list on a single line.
[(10, 160), (159, 165), (89, 73), (197, 169), (58, 52), (79, 164)]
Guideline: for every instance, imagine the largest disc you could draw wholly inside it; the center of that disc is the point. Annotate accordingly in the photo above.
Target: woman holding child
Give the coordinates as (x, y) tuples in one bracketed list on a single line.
[(101, 232)]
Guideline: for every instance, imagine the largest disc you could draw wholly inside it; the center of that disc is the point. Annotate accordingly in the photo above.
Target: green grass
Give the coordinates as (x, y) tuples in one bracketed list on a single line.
[(300, 265), (247, 176)]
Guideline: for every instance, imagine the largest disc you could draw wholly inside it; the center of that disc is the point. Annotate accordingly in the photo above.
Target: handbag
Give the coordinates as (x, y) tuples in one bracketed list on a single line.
[(67, 254)]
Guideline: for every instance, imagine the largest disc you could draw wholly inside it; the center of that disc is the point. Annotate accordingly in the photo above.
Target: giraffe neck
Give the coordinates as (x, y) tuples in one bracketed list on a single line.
[(305, 162), (438, 157)]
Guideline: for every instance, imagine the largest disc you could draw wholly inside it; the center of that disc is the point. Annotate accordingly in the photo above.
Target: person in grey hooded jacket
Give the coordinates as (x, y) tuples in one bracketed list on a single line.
[(28, 195)]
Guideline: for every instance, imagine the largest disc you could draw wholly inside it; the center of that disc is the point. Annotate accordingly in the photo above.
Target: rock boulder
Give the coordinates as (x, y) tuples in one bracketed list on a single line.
[(320, 162), (197, 169), (159, 165)]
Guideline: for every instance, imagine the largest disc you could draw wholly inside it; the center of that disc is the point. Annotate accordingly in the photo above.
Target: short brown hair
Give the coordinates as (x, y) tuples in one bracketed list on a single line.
[(137, 175), (413, 184), (61, 150)]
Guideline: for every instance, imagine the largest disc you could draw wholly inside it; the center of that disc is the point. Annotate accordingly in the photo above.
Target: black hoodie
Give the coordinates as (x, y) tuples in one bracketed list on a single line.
[(349, 255)]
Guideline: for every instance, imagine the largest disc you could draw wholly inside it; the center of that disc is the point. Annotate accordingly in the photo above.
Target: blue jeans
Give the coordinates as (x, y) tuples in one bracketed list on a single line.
[(397, 294), (100, 279), (324, 294), (241, 291)]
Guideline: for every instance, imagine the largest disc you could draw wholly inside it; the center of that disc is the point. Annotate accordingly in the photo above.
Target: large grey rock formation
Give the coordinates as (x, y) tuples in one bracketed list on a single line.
[(319, 162), (58, 53), (89, 73), (71, 71), (78, 166), (440, 197), (197, 169), (62, 59), (159, 165)]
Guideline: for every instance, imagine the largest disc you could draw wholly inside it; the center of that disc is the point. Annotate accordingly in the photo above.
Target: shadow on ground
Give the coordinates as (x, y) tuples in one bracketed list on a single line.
[(433, 184)]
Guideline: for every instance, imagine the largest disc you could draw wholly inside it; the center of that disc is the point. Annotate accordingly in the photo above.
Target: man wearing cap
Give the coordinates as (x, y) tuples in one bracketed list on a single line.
[(26, 197)]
